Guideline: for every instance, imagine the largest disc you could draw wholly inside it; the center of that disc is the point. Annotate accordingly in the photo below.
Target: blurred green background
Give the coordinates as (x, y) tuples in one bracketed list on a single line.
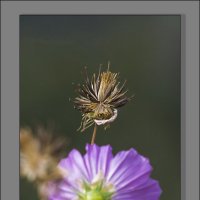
[(146, 52)]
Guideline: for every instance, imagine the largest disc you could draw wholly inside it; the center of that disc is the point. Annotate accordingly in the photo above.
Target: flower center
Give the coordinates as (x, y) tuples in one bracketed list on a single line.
[(97, 190), (93, 195)]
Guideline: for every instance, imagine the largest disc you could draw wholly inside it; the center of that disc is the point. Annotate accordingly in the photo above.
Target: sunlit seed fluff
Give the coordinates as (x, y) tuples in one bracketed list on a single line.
[(40, 153), (99, 98)]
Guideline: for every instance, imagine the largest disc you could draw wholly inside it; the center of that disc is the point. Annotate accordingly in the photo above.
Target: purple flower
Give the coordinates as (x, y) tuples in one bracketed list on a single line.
[(98, 175)]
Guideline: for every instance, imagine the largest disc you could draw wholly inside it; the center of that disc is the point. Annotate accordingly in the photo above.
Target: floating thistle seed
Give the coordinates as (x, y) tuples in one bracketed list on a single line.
[(39, 157), (99, 99)]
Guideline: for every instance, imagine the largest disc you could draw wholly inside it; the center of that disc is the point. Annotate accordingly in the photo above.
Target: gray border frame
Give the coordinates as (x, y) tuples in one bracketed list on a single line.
[(189, 11)]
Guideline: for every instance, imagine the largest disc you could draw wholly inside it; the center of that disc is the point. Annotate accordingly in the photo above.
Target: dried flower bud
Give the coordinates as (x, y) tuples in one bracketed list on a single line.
[(99, 99)]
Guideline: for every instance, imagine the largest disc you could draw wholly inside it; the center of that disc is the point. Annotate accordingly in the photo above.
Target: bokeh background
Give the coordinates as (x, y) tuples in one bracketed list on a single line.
[(146, 52)]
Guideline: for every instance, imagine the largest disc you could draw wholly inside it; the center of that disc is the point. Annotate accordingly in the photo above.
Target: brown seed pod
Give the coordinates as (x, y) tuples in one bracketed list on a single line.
[(99, 98)]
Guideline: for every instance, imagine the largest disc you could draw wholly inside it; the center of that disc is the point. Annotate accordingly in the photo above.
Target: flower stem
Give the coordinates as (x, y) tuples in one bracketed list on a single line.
[(94, 134)]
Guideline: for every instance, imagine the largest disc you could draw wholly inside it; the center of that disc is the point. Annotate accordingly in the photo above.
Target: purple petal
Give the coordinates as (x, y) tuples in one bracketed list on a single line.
[(63, 191), (98, 159), (149, 191), (75, 166), (128, 166)]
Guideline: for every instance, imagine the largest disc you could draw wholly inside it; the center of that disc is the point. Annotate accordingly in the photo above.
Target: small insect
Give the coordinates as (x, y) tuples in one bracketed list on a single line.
[(99, 98)]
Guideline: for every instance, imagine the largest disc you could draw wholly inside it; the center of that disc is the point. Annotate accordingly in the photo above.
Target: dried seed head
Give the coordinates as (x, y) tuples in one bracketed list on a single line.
[(99, 98), (39, 157)]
